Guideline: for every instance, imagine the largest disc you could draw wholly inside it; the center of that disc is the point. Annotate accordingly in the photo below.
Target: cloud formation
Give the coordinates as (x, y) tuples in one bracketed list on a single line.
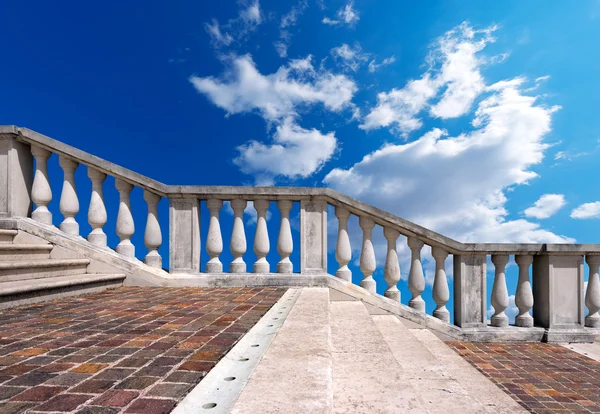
[(349, 57), (346, 15), (236, 29), (546, 206), (586, 211)]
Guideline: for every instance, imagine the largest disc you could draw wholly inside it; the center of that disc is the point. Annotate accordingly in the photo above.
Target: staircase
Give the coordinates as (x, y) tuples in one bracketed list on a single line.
[(31, 271), (333, 356)]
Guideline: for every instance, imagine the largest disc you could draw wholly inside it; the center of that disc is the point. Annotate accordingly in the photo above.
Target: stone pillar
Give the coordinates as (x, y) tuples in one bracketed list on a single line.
[(184, 235), (16, 175), (237, 245), (261, 238), (97, 210), (343, 250), (524, 295), (313, 236), (592, 295), (558, 296), (152, 234), (441, 293), (499, 291), (69, 203), (214, 240), (367, 255), (391, 271), (470, 301), (125, 223), (416, 279), (41, 193), (285, 244)]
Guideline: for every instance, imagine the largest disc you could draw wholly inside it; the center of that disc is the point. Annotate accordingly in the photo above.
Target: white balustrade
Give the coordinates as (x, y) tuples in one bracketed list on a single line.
[(524, 294), (125, 224), (367, 255), (592, 294), (152, 234), (441, 293), (214, 240), (391, 270), (500, 291), (416, 279), (285, 244), (69, 204), (237, 244), (97, 211), (41, 193), (261, 238), (343, 250)]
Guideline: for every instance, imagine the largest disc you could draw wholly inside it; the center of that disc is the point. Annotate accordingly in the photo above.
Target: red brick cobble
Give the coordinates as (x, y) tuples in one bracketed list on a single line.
[(134, 350), (543, 378)]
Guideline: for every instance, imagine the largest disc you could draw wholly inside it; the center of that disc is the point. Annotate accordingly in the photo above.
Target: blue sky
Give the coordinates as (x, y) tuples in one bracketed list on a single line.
[(468, 112)]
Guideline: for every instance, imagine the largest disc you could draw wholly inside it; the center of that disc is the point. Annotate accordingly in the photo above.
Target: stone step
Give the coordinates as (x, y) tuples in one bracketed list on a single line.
[(12, 252), (6, 236), (17, 293), (294, 375), (43, 268), (444, 382)]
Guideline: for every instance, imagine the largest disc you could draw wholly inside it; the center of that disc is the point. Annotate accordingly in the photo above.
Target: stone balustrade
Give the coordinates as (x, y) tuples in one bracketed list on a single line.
[(548, 291)]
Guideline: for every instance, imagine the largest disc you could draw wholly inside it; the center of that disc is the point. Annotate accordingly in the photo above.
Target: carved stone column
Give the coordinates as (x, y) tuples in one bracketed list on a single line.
[(238, 237), (391, 271), (69, 203)]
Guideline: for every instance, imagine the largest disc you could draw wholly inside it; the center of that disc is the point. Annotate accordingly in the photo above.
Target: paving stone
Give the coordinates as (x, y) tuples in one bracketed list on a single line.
[(136, 383), (151, 406), (98, 410), (16, 407), (93, 386), (115, 398), (8, 392), (39, 393), (64, 402), (170, 390), (185, 376), (68, 379), (31, 379)]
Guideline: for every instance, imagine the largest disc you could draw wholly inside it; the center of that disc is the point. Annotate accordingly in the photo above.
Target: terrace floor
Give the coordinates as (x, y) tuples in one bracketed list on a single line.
[(133, 350)]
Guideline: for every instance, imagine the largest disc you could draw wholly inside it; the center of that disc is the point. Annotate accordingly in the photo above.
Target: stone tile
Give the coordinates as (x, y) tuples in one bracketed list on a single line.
[(93, 386), (115, 373), (191, 377), (115, 398), (39, 393), (170, 390), (31, 379), (8, 392), (64, 402), (89, 368), (151, 406), (67, 379), (98, 410), (136, 383), (16, 407)]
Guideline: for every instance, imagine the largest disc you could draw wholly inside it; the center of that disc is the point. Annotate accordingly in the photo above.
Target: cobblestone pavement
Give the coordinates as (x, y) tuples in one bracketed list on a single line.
[(133, 350), (543, 378)]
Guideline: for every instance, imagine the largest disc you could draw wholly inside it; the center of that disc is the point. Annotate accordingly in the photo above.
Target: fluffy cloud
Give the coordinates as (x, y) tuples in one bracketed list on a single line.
[(454, 68), (249, 17), (587, 211), (455, 185), (287, 21), (350, 57), (218, 38), (346, 15), (373, 66), (546, 206), (295, 152)]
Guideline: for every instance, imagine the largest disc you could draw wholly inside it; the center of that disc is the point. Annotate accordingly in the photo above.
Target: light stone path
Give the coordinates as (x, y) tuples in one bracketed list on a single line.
[(589, 350), (333, 356)]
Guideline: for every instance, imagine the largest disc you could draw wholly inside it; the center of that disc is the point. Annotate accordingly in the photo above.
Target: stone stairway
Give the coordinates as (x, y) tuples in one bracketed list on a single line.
[(29, 272), (333, 356)]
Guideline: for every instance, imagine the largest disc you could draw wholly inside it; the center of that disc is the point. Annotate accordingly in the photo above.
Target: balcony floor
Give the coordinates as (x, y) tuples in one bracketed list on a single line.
[(134, 350)]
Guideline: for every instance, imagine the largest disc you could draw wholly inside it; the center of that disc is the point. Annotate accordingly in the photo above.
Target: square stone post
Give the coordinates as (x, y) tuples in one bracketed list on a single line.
[(470, 291), (16, 175), (558, 297), (184, 235), (313, 236)]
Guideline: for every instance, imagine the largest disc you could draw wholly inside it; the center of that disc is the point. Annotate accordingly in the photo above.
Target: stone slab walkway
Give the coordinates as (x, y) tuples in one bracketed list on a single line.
[(543, 378), (133, 350)]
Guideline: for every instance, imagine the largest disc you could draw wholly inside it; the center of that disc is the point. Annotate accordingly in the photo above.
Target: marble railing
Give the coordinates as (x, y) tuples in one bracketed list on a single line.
[(552, 297)]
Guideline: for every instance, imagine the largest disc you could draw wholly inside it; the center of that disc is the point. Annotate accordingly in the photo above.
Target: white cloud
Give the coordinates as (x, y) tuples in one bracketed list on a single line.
[(454, 68), (587, 211), (251, 15), (346, 15), (546, 206), (351, 58), (248, 18), (218, 38), (295, 151), (455, 184), (287, 21), (373, 66)]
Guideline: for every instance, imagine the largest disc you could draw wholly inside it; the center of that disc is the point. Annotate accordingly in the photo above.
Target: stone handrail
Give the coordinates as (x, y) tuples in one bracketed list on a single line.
[(556, 296)]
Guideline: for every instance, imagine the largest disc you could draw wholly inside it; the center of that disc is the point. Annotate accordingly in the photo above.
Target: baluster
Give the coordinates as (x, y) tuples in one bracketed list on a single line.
[(343, 250), (261, 238), (524, 295), (416, 279), (367, 255), (238, 237), (69, 204), (41, 193), (285, 244), (97, 210), (214, 241), (391, 271), (152, 235), (125, 224), (441, 294), (592, 295), (499, 291)]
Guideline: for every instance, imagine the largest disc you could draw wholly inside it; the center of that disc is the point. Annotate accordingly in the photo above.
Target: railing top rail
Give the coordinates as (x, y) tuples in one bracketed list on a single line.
[(333, 197)]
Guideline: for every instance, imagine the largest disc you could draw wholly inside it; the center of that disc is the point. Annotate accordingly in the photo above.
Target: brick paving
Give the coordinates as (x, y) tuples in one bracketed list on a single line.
[(132, 350), (543, 378)]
